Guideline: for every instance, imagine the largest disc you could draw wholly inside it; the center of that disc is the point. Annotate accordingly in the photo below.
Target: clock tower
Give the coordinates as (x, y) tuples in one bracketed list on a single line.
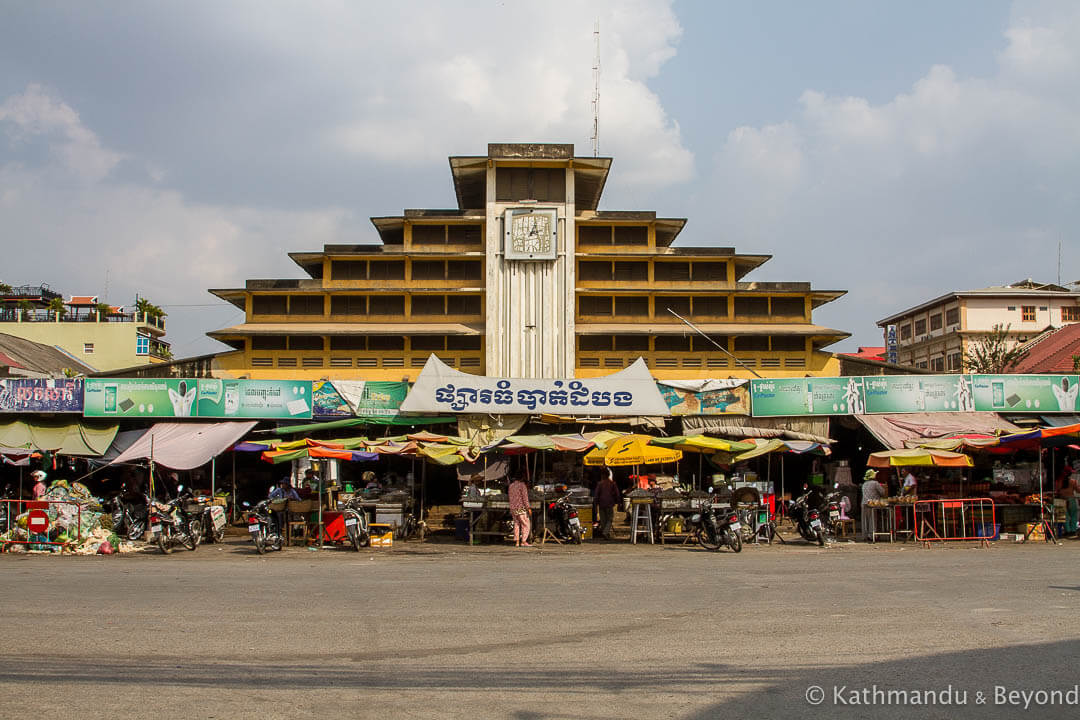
[(529, 247)]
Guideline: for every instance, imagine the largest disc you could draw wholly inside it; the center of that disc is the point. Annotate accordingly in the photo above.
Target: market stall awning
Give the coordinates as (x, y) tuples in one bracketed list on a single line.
[(900, 430), (63, 437), (632, 450), (764, 447), (813, 429), (918, 457), (185, 446), (702, 444)]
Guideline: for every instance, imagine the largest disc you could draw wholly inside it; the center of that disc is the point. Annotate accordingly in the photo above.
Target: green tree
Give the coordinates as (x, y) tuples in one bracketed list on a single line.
[(5, 289), (57, 308), (103, 309), (993, 353), (26, 307)]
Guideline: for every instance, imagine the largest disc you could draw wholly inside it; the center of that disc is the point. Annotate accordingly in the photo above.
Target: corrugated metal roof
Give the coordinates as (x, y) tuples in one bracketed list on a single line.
[(39, 358)]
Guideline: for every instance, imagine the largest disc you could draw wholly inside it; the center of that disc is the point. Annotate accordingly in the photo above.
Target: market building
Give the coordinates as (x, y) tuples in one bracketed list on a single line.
[(528, 278), (100, 336), (935, 335)]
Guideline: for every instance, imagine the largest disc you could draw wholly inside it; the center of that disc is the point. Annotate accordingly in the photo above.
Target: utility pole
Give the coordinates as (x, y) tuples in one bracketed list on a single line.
[(596, 93)]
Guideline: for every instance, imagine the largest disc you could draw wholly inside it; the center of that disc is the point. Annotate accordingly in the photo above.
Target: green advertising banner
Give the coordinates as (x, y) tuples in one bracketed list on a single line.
[(187, 397), (807, 396), (251, 399), (381, 398), (918, 393), (1026, 393), (139, 397)]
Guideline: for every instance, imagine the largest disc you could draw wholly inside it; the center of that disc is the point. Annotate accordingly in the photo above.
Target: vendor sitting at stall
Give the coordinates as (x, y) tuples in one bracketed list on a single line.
[(871, 490), (284, 491), (910, 484)]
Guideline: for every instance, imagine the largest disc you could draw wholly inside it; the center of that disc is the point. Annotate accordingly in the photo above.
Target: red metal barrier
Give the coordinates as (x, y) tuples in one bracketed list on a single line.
[(968, 519), (12, 509)]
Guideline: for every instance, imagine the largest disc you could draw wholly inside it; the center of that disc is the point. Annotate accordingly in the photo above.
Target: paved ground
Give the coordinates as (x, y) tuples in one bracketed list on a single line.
[(603, 631)]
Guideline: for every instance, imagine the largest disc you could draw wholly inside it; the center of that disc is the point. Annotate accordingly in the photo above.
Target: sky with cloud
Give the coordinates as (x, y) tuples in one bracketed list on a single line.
[(893, 150)]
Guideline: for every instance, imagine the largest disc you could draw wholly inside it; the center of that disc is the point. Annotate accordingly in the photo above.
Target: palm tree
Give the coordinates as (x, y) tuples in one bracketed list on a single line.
[(57, 308), (103, 310)]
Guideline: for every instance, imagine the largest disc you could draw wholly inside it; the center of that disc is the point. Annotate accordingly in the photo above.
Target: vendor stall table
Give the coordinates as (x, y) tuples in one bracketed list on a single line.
[(883, 520)]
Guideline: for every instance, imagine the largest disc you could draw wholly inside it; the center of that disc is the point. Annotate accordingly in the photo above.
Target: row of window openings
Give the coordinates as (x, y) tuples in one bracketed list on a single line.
[(395, 270), (476, 362), (709, 306), (369, 343), (588, 270), (602, 235), (937, 320), (663, 271), (391, 305), (954, 361), (952, 317), (585, 343), (676, 343)]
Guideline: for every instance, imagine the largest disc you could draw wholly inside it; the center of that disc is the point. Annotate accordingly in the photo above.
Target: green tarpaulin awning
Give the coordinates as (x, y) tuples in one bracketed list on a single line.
[(64, 437), (349, 422)]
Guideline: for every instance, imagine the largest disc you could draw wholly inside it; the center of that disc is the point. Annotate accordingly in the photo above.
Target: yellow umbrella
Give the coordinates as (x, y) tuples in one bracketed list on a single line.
[(632, 450), (918, 456)]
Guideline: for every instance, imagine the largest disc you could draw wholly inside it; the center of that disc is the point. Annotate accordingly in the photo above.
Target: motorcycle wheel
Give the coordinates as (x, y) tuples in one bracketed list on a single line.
[(219, 536), (275, 544), (354, 537), (260, 543), (194, 533), (136, 530), (734, 541), (821, 537), (705, 542), (365, 539), (577, 536), (163, 542)]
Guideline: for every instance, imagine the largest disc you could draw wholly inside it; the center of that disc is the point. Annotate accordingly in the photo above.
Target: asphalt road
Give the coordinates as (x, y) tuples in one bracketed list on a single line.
[(602, 631)]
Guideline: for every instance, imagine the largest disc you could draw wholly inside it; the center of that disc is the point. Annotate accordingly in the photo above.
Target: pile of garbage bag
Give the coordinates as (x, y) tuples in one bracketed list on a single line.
[(77, 523)]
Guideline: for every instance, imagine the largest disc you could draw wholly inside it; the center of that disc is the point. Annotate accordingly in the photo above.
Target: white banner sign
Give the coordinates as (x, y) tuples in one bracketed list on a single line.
[(442, 389)]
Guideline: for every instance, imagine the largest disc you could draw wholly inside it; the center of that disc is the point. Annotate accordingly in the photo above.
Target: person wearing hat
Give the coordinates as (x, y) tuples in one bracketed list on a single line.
[(871, 490), (39, 483)]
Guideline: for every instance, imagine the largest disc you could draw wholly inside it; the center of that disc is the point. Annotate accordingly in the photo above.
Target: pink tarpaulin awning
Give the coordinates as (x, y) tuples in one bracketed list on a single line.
[(895, 430), (185, 446)]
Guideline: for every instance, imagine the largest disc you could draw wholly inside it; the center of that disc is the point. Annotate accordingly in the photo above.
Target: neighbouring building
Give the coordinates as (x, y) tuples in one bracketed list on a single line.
[(526, 277), (1055, 352), (935, 335), (99, 336), (22, 358)]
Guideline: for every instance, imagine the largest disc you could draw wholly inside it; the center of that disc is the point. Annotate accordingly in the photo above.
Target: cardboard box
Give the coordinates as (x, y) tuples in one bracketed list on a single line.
[(1036, 531)]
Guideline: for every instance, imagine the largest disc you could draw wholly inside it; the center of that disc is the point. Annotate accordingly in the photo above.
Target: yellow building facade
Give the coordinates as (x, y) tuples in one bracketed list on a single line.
[(526, 278)]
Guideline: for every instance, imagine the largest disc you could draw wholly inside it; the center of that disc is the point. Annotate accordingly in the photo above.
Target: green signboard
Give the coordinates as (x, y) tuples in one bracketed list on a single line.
[(188, 397), (381, 398), (807, 396), (918, 393), (1026, 393), (250, 399)]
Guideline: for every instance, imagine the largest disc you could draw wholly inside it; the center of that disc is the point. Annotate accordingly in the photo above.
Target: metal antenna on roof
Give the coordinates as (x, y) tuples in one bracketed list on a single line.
[(596, 93)]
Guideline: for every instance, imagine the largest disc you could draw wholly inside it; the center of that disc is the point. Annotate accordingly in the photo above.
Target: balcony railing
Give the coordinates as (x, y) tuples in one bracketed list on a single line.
[(41, 315)]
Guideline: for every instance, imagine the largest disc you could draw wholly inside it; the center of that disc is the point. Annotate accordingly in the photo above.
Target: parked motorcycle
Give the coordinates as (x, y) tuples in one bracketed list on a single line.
[(805, 512), (8, 510), (715, 526), (177, 522), (564, 520), (356, 523), (213, 520), (263, 527), (129, 512)]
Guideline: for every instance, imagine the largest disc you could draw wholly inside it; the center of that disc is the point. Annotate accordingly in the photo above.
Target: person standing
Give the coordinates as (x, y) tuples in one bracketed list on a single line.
[(871, 490), (605, 499), (521, 511), (39, 483), (1068, 490)]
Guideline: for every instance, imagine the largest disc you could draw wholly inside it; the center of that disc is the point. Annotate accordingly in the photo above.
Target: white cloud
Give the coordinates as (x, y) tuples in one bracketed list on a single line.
[(37, 113), (959, 182), (76, 227)]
